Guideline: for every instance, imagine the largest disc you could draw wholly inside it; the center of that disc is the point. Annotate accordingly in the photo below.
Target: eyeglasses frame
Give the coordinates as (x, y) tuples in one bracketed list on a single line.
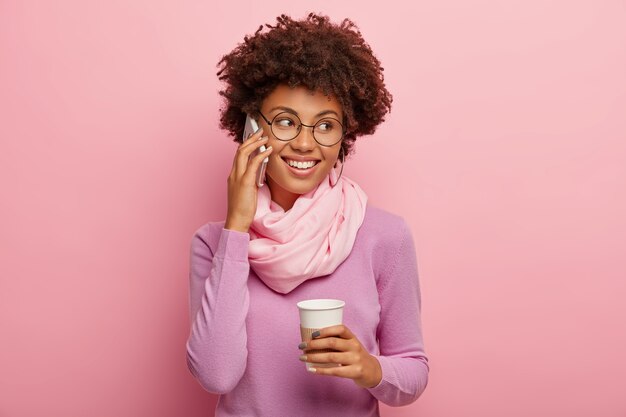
[(343, 132)]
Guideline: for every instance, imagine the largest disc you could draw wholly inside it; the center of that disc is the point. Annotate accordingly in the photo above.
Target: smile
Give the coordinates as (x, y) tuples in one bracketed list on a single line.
[(301, 169), (301, 165)]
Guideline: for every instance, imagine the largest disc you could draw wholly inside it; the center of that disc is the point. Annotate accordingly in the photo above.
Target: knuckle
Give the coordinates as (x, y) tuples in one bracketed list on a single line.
[(332, 342)]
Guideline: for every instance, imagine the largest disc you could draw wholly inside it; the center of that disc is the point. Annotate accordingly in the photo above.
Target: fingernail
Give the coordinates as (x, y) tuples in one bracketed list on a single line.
[(263, 137), (303, 358), (313, 370), (302, 345), (315, 334)]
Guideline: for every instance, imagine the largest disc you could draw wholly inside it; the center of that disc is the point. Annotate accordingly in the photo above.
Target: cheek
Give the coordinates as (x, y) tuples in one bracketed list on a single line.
[(278, 145), (332, 155), (277, 149)]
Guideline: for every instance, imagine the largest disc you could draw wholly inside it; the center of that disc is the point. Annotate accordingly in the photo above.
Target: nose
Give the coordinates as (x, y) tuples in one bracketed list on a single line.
[(305, 140)]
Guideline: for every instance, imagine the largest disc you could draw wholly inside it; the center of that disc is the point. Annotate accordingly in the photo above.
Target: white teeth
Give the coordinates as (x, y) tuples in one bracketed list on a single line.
[(301, 165)]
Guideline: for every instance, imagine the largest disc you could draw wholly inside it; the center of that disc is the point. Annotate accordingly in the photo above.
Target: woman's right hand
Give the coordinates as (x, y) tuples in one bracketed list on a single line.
[(242, 187)]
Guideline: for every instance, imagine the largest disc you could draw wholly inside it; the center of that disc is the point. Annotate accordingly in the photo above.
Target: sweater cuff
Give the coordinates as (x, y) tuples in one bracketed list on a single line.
[(233, 245), (386, 387)]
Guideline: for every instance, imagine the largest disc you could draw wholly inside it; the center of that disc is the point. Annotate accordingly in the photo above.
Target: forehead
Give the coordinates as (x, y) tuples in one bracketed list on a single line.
[(304, 101)]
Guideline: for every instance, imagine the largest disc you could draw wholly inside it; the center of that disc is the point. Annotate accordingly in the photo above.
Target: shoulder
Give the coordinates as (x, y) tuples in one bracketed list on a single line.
[(388, 243), (380, 224), (382, 236)]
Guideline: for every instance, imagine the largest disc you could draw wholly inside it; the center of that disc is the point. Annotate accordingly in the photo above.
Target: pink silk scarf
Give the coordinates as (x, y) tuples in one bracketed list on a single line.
[(309, 240)]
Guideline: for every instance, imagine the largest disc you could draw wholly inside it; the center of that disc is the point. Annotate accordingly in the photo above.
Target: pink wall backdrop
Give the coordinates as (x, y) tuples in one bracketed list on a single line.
[(505, 151)]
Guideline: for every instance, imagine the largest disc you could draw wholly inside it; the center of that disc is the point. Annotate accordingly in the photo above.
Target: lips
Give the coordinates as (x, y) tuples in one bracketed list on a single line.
[(302, 165), (299, 172), (299, 159)]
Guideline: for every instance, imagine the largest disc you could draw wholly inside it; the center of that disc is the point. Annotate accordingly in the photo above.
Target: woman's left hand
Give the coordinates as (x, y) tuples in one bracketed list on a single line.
[(357, 364)]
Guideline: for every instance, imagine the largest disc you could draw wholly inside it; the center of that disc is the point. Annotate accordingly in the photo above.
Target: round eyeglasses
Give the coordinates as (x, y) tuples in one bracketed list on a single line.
[(285, 126)]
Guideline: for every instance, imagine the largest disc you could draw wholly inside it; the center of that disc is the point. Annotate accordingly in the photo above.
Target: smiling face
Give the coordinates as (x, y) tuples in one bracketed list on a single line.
[(287, 183)]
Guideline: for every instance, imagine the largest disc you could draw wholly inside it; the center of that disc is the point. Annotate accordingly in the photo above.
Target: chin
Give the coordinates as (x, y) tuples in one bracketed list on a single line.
[(302, 189), (297, 186)]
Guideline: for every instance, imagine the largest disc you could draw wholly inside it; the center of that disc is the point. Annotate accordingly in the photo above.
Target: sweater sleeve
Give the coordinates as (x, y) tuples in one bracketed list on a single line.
[(402, 358), (218, 306)]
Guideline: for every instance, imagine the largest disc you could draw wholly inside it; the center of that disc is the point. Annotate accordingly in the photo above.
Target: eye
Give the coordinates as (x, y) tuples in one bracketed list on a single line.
[(284, 122), (326, 126)]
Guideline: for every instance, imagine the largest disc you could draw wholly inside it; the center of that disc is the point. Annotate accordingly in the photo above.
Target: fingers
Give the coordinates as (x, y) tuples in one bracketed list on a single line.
[(251, 139), (366, 372), (343, 358), (356, 363), (253, 136), (352, 371), (340, 330), (337, 338), (334, 343), (242, 156), (254, 163)]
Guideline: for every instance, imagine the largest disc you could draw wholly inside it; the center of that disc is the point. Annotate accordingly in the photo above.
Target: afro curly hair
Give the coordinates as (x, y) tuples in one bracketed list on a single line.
[(312, 52)]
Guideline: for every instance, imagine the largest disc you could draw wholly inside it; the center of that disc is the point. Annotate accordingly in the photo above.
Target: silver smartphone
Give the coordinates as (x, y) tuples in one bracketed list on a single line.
[(251, 127)]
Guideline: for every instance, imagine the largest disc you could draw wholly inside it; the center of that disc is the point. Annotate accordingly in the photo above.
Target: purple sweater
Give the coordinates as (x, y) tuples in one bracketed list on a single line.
[(244, 337)]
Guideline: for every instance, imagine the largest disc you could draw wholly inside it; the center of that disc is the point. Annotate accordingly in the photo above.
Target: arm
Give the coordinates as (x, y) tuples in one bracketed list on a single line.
[(218, 305), (402, 359)]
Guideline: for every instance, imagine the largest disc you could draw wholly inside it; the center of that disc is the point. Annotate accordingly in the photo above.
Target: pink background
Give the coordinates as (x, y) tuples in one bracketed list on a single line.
[(505, 151)]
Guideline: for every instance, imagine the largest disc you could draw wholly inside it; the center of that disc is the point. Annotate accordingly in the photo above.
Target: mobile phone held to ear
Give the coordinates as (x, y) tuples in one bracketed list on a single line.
[(251, 127)]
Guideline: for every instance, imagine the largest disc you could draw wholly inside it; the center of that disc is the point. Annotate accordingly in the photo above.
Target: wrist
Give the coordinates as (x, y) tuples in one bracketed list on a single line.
[(375, 374), (236, 226)]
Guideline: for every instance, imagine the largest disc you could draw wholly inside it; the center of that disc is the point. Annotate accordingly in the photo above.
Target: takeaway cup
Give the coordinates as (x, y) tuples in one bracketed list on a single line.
[(316, 314)]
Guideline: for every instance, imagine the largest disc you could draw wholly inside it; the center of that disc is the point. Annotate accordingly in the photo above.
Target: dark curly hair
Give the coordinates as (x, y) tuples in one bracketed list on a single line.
[(315, 53)]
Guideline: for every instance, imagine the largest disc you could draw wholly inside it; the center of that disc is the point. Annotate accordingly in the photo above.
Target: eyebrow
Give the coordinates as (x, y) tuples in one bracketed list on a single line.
[(290, 110)]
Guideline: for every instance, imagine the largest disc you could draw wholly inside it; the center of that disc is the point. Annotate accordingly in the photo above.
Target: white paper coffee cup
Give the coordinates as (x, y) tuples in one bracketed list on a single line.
[(317, 314)]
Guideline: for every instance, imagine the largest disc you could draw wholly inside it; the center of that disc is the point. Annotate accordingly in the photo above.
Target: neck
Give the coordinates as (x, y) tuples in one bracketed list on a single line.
[(280, 196)]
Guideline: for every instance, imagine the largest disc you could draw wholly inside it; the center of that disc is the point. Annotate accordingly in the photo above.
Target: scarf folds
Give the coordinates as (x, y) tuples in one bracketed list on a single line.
[(309, 240)]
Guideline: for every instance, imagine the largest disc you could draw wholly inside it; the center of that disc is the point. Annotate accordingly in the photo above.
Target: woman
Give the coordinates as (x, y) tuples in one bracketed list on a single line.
[(308, 233)]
